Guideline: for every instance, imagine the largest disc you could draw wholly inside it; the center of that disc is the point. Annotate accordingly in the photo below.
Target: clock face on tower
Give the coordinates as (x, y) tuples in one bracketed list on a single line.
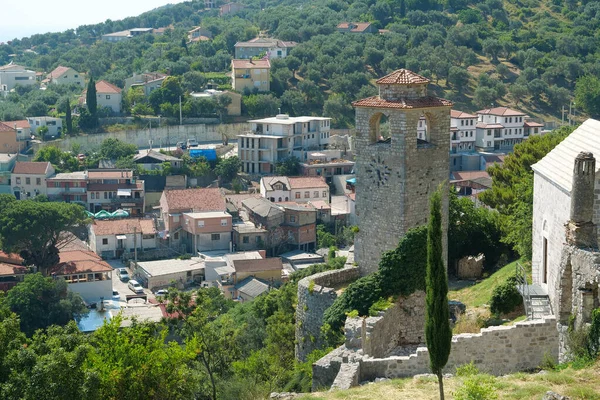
[(378, 172)]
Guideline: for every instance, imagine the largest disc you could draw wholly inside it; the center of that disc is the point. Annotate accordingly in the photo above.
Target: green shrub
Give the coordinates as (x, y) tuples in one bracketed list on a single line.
[(477, 387), (505, 297), (380, 305), (311, 287), (467, 370), (184, 257)]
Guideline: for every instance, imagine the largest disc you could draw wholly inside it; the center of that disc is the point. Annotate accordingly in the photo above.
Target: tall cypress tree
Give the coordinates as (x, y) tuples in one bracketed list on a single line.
[(68, 118), (90, 97), (437, 325)]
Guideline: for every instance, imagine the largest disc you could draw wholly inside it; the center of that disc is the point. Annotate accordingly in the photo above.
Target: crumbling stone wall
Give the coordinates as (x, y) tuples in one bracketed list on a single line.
[(497, 350), (401, 324), (470, 267), (315, 295)]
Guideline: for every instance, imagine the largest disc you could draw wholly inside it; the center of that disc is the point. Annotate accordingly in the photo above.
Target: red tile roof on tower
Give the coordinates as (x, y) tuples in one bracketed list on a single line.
[(241, 64), (106, 87), (402, 77), (58, 71), (422, 102), (203, 199), (503, 111), (461, 114), (31, 168)]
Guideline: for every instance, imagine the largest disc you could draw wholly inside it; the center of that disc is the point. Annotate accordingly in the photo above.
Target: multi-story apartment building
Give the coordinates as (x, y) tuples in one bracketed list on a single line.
[(69, 187), (29, 179), (113, 189), (251, 74), (272, 48), (273, 139), (12, 75), (462, 131), (499, 128)]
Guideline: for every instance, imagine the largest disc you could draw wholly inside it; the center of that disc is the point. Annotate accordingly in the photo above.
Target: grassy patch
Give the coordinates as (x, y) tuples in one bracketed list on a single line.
[(479, 294), (578, 384)]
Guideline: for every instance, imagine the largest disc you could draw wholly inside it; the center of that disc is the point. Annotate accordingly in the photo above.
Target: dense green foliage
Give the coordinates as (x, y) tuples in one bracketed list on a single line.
[(35, 230), (505, 297), (535, 50), (288, 167), (438, 334), (512, 190), (41, 302), (473, 230)]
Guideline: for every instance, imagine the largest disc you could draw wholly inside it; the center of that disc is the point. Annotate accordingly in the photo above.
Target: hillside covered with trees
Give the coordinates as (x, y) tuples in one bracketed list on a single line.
[(523, 53)]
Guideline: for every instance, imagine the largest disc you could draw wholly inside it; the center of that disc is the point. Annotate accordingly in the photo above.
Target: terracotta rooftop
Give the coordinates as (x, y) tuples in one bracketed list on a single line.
[(79, 261), (461, 114), (106, 87), (11, 269), (58, 71), (11, 258), (483, 125), (247, 64), (356, 26), (12, 124), (5, 127), (402, 77), (469, 175), (352, 196), (503, 111), (123, 226), (532, 124), (307, 182), (203, 199), (31, 168), (236, 199), (110, 174), (423, 102), (257, 265)]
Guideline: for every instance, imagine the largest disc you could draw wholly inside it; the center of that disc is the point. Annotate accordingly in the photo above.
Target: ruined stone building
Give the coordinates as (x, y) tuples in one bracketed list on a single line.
[(397, 174), (566, 212)]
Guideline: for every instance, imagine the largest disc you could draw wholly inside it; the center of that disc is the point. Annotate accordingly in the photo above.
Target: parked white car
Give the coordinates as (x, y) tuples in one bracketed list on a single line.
[(135, 287)]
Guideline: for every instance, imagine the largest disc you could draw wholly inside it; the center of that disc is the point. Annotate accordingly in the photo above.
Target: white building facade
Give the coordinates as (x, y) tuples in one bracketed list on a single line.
[(277, 138)]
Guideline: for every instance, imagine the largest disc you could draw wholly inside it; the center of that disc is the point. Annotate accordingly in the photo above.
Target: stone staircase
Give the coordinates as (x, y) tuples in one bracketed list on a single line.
[(535, 298)]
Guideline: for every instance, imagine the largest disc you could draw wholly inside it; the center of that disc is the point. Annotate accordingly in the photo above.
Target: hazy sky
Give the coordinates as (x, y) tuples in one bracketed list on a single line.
[(19, 18)]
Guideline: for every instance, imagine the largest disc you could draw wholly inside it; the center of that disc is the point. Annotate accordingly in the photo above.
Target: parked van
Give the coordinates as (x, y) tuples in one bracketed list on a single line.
[(135, 287)]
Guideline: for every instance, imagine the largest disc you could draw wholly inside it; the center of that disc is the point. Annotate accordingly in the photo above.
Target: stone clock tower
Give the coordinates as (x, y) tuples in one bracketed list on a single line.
[(396, 175)]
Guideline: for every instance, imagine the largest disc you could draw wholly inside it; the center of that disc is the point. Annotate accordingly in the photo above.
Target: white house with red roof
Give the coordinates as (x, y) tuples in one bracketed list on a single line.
[(107, 95), (65, 76), (297, 189), (28, 179), (85, 273), (500, 128), (271, 47), (462, 131)]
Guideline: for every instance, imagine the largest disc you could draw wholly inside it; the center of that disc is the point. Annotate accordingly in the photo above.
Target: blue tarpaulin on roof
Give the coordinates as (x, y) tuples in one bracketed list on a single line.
[(209, 154), (351, 181)]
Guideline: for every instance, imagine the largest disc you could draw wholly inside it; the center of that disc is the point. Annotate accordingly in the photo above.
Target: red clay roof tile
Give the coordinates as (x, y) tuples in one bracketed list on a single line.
[(402, 77)]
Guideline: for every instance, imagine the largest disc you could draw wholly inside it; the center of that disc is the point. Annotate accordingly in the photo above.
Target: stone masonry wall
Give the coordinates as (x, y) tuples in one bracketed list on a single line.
[(401, 324), (497, 350), (396, 179), (313, 299)]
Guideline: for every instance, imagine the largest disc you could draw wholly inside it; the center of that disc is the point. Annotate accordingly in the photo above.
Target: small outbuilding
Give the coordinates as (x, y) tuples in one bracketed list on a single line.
[(162, 273)]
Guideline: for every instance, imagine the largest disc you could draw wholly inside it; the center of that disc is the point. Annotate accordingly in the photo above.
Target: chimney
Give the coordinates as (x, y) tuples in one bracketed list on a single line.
[(581, 231), (263, 253)]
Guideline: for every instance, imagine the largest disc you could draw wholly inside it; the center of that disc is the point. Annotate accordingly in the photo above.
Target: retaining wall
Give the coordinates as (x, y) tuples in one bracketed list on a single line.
[(161, 137), (313, 299), (496, 350)]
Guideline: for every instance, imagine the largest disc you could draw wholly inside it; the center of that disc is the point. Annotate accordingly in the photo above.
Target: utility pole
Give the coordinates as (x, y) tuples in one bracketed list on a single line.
[(135, 245)]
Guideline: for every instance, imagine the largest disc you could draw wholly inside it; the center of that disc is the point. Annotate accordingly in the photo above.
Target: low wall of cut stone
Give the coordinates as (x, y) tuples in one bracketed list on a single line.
[(315, 295), (496, 350)]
